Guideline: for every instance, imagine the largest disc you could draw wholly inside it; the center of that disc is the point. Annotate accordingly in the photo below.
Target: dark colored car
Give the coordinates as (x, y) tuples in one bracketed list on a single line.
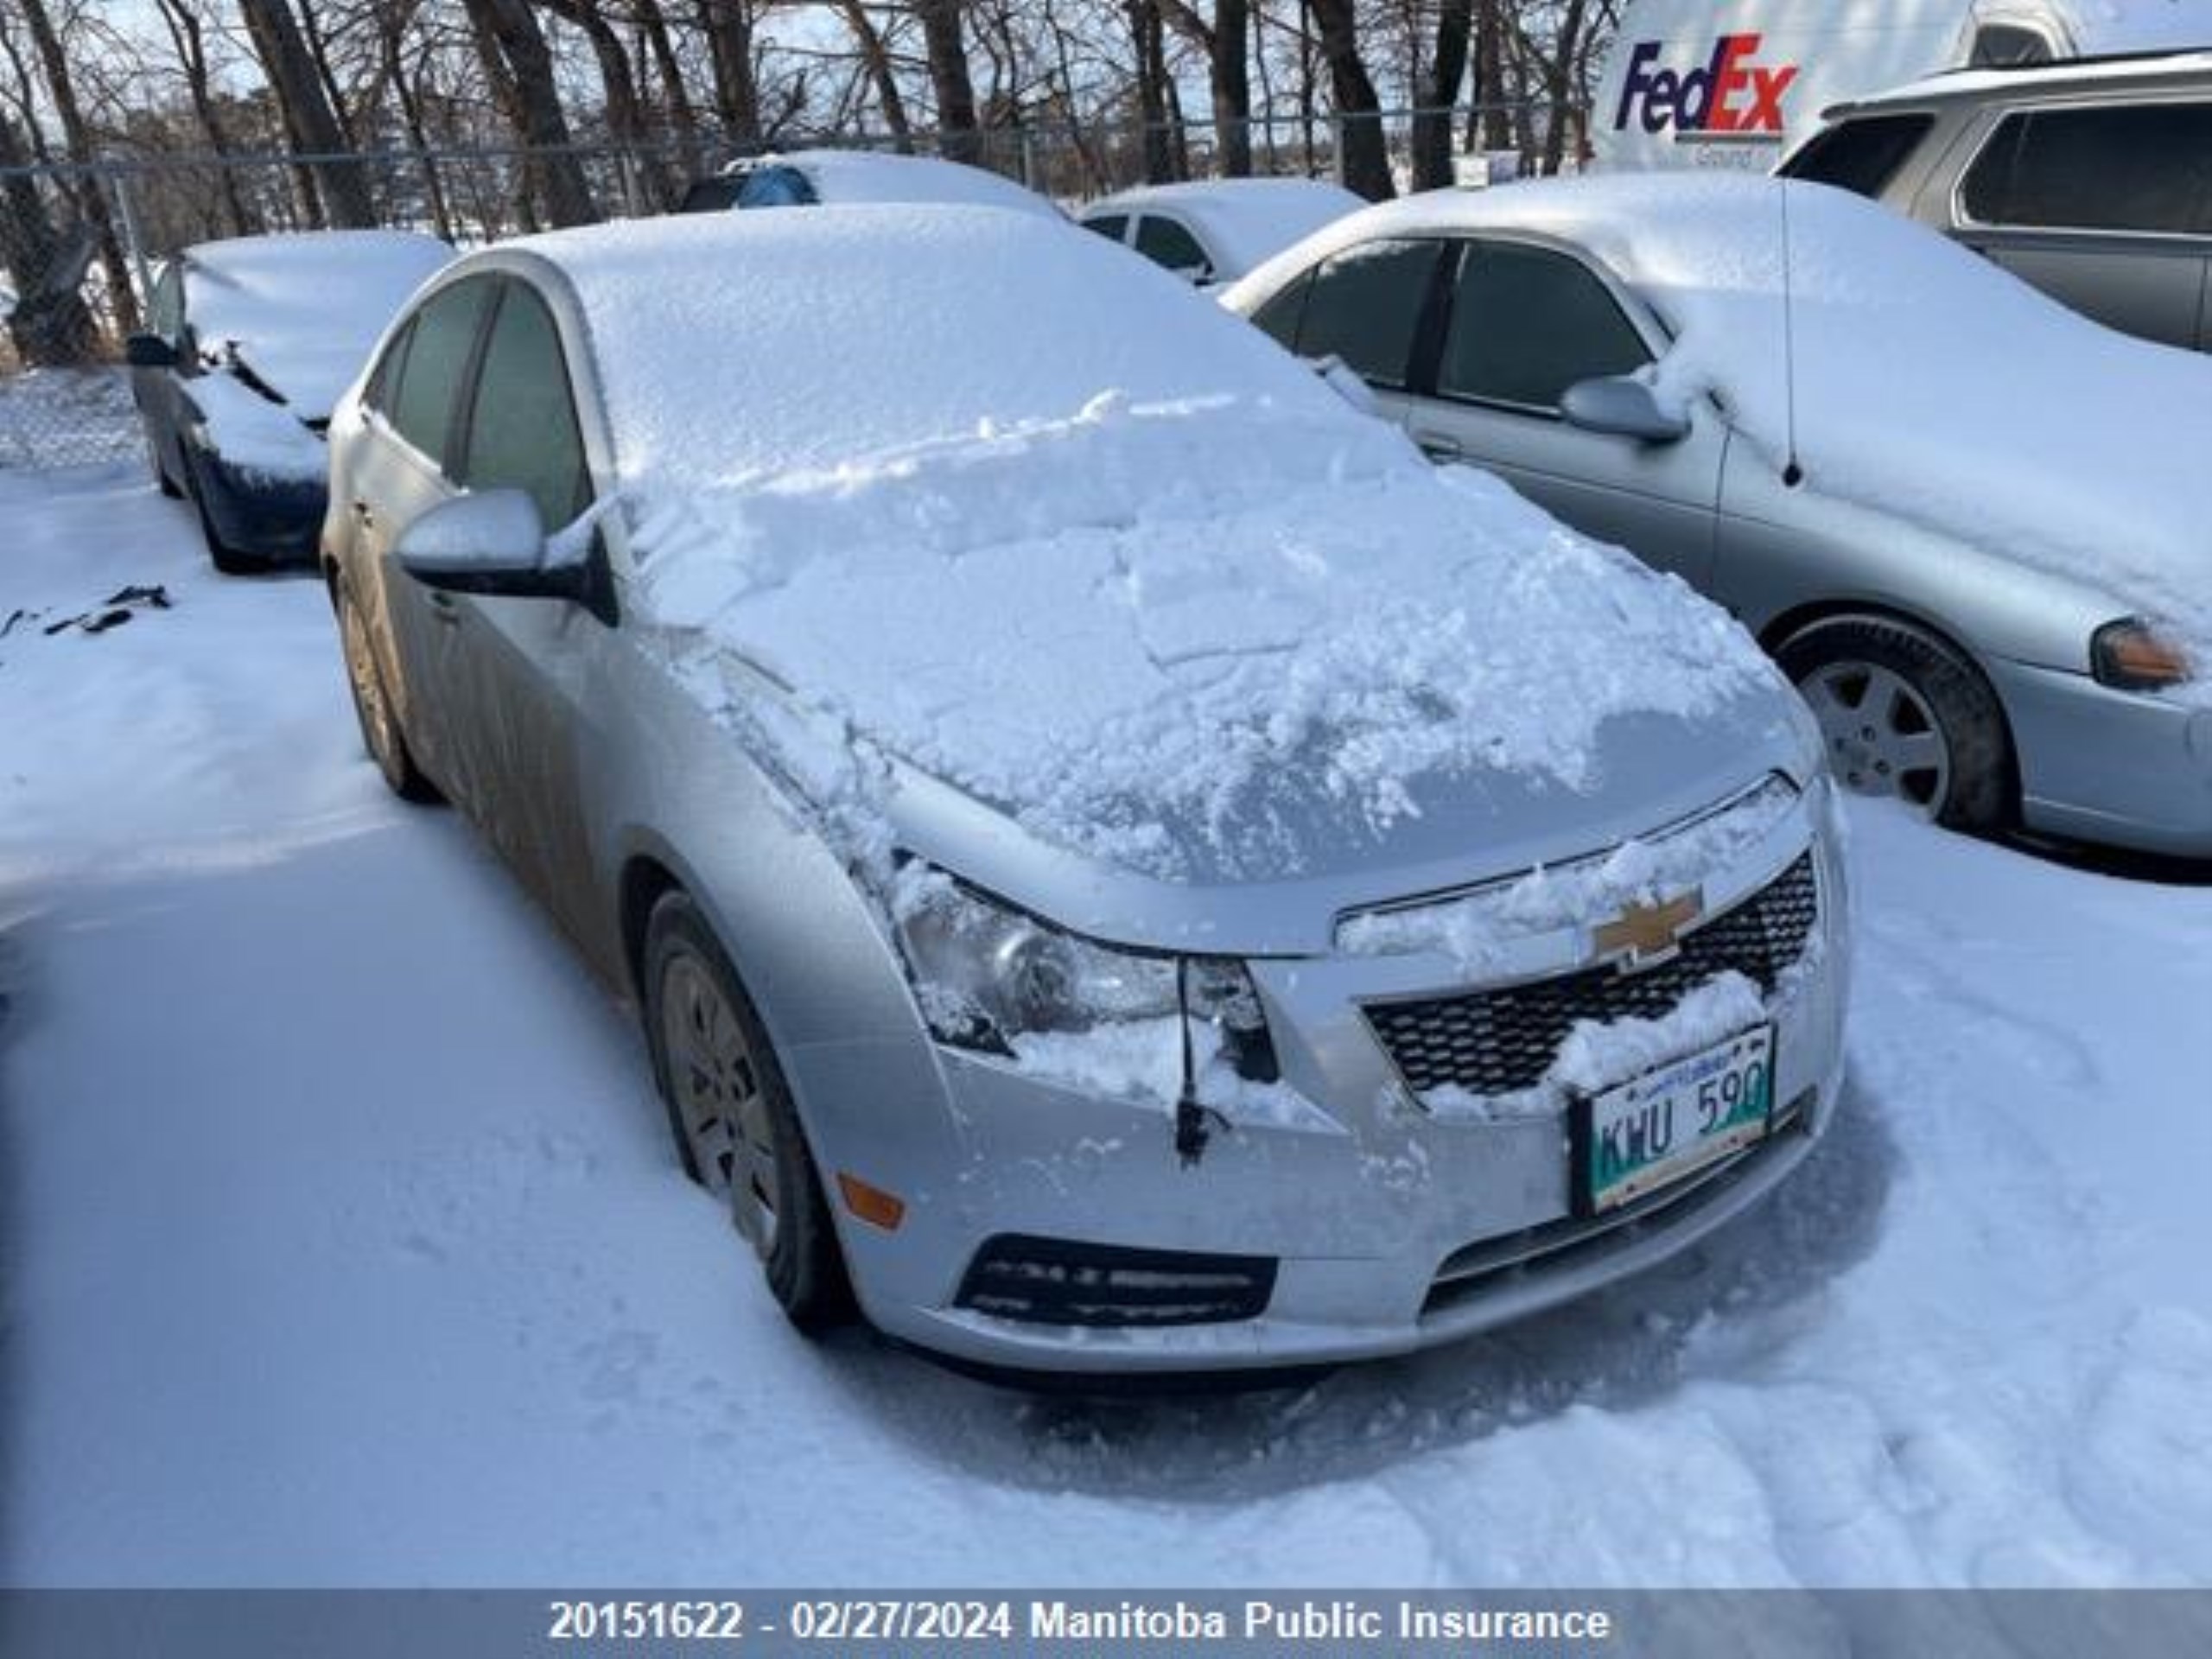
[(2090, 179), (249, 345)]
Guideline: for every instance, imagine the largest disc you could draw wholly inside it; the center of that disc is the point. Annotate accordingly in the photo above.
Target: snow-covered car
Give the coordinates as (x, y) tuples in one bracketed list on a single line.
[(1216, 229), (1117, 859), (1968, 523), (249, 343), (813, 178)]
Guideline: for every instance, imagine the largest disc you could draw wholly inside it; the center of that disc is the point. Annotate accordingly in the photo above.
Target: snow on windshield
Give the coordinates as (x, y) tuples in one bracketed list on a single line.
[(303, 311), (1011, 505), (1929, 384)]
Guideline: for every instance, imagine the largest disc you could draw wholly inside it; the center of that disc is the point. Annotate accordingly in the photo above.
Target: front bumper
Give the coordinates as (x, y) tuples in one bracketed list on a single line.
[(1388, 1229), (272, 521), (2115, 767)]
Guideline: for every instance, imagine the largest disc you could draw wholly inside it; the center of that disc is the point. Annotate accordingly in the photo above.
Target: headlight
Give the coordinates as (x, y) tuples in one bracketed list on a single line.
[(2131, 655), (986, 975)]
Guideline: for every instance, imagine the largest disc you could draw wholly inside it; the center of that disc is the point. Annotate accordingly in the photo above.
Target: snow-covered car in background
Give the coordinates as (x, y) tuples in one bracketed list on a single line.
[(1118, 859), (1214, 230), (813, 178), (248, 344), (1968, 523)]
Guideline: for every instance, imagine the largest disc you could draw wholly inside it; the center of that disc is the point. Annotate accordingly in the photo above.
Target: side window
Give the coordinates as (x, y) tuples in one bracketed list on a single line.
[(440, 340), (384, 380), (1527, 323), (2142, 166), (522, 418), (1168, 243), (775, 185), (1364, 306), (1113, 226), (1282, 315), (1861, 156)]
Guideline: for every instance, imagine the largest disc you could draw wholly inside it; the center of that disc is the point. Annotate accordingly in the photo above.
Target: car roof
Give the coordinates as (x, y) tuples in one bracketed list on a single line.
[(2120, 71)]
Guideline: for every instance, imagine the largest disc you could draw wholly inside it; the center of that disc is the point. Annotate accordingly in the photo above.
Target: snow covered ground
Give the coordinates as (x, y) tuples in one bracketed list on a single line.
[(340, 1240)]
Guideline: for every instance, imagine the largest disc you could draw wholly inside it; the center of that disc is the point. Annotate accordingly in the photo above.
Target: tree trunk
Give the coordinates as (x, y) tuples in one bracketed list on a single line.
[(626, 119), (1227, 43), (959, 138), (531, 103), (188, 33), (1447, 68), (50, 324), (877, 62), (1494, 121), (1149, 52), (90, 201), (309, 123), (1362, 152)]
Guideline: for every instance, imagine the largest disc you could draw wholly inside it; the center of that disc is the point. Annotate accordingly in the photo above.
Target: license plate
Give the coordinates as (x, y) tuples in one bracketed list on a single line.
[(1672, 1121)]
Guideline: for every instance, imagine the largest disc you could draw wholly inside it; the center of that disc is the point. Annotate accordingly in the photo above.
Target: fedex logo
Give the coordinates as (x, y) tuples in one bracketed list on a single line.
[(1729, 97)]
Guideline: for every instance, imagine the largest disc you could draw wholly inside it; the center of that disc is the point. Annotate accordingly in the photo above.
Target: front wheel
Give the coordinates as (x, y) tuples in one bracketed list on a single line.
[(1903, 714), (736, 1127)]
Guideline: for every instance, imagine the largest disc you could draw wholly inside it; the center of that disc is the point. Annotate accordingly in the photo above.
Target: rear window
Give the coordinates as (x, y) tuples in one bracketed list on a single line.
[(2144, 167), (1861, 156)]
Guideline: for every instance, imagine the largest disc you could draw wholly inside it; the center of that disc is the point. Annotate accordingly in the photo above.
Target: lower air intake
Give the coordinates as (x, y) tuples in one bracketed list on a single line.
[(1061, 1281)]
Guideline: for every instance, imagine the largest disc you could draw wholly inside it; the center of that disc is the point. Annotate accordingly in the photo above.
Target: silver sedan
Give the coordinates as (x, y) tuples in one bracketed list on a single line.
[(1370, 1083), (1523, 330)]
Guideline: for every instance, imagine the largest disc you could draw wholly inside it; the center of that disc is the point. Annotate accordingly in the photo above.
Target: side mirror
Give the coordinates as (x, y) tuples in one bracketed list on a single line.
[(149, 351), (1198, 276), (1623, 408), (492, 543)]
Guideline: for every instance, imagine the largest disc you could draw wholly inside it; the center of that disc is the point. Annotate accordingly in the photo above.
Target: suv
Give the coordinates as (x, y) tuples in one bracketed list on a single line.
[(2090, 179)]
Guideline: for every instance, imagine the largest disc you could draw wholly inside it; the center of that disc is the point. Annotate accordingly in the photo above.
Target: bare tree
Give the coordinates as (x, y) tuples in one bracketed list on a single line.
[(1363, 152), (947, 49), (61, 87), (340, 194), (1226, 43), (508, 35)]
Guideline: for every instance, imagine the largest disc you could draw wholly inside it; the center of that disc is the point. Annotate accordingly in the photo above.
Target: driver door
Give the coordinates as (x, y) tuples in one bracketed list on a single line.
[(1522, 323)]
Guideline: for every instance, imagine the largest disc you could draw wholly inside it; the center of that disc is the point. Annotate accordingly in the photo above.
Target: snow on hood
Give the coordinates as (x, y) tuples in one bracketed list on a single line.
[(1006, 504), (302, 312), (1929, 384)]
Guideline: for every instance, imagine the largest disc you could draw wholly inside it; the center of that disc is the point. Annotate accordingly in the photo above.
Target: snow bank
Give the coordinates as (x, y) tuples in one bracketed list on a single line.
[(1928, 384), (254, 435), (302, 311), (1007, 503)]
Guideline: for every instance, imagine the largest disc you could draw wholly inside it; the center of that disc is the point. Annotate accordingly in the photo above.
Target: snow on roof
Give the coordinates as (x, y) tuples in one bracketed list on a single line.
[(1244, 222), (1004, 501), (1929, 384), (862, 175), (303, 311)]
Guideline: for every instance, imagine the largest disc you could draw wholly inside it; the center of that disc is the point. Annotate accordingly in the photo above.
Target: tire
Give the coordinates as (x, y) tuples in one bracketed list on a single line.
[(381, 732), (1905, 714), (219, 554), (736, 1127), (167, 485)]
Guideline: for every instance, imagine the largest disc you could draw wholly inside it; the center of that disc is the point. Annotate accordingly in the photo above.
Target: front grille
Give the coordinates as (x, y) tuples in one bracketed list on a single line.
[(1497, 1042), (1064, 1281)]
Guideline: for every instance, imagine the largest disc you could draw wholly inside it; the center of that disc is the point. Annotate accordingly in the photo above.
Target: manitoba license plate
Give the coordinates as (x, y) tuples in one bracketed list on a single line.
[(1673, 1121)]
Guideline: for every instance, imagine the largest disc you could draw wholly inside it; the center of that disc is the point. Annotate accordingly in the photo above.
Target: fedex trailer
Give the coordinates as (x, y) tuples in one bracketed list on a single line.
[(1740, 83)]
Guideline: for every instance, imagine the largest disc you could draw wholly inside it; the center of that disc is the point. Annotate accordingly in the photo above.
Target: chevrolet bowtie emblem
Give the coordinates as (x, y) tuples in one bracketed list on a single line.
[(1643, 935)]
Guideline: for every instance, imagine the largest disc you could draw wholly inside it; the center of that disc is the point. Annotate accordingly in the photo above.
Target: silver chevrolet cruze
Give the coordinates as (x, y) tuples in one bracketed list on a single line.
[(1427, 1166)]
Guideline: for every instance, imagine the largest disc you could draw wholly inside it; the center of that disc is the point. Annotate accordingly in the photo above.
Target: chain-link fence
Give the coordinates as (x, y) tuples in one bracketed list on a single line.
[(81, 243)]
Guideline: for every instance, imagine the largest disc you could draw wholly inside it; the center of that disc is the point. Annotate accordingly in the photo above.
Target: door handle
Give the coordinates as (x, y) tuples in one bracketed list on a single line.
[(1439, 447)]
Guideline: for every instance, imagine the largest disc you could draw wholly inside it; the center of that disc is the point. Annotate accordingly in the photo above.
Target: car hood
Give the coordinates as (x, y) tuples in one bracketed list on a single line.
[(1211, 647)]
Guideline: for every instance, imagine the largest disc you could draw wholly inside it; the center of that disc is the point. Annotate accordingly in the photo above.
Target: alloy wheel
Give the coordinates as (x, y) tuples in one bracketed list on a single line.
[(1881, 735), (715, 1080)]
